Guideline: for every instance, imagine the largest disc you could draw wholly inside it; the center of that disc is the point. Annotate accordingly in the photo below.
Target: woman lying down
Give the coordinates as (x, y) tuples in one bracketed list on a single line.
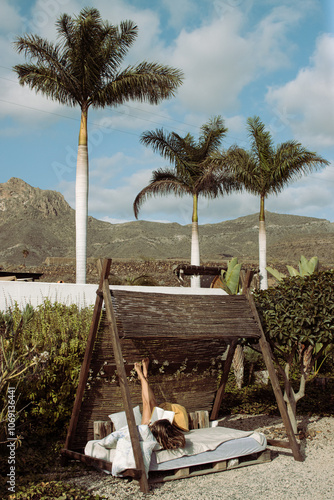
[(154, 433), (168, 434), (169, 437)]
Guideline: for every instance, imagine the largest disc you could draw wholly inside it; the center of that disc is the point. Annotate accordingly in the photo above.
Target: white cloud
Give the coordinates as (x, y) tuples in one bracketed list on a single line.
[(135, 117), (27, 107), (10, 19), (235, 123), (309, 99), (220, 59), (118, 201), (210, 57), (107, 168), (113, 220), (115, 182), (181, 12)]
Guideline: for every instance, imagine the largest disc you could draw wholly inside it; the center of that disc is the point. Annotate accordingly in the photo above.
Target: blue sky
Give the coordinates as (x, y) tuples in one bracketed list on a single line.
[(240, 58)]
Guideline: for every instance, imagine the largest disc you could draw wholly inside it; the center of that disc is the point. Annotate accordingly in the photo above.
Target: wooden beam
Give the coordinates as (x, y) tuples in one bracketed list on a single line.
[(90, 461), (246, 279), (220, 393), (142, 331), (278, 443), (189, 270), (105, 269), (124, 386), (267, 356)]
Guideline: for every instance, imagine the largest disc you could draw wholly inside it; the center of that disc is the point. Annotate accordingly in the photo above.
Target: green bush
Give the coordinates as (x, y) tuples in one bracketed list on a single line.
[(55, 339), (53, 489), (299, 311), (256, 399), (298, 320)]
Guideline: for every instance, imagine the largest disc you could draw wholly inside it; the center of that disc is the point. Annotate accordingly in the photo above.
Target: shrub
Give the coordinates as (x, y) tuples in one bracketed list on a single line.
[(298, 320), (56, 334), (53, 489)]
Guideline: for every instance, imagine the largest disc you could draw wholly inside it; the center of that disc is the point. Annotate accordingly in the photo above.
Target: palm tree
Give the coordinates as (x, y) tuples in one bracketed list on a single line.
[(84, 69), (266, 169), (195, 172)]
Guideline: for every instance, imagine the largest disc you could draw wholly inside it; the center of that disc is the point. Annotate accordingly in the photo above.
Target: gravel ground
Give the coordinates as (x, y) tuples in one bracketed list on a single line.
[(281, 479)]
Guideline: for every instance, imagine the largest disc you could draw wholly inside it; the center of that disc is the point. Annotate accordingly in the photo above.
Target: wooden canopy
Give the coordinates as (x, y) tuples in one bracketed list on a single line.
[(160, 315), (191, 323)]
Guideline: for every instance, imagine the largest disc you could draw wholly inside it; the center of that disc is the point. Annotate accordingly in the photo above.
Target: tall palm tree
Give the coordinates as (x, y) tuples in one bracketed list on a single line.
[(195, 172), (267, 169), (84, 69)]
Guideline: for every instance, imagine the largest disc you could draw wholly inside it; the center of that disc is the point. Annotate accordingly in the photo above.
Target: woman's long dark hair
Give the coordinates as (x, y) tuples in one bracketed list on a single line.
[(168, 435)]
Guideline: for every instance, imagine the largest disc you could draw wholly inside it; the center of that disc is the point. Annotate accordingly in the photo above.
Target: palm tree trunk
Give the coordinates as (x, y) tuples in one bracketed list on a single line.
[(81, 201), (262, 247), (195, 256)]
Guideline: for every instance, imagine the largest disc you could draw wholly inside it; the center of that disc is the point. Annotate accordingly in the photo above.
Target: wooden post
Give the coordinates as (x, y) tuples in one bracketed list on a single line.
[(267, 356), (246, 279), (88, 356), (203, 419), (221, 390), (124, 386), (193, 420), (199, 419), (102, 429)]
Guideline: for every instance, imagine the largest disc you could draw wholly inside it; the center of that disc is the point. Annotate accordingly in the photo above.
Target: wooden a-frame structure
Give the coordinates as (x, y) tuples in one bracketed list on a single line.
[(152, 315)]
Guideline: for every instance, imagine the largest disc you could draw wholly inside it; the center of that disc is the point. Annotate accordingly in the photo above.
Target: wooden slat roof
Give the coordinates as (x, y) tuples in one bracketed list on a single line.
[(156, 315)]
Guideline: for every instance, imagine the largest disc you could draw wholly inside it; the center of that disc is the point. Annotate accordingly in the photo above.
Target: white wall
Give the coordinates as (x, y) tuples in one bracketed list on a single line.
[(34, 293)]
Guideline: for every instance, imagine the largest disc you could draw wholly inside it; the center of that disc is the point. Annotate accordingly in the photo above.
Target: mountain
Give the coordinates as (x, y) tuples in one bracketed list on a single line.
[(42, 222)]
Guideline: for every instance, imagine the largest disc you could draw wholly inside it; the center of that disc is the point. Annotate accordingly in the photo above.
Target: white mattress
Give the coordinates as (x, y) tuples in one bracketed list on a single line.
[(232, 448)]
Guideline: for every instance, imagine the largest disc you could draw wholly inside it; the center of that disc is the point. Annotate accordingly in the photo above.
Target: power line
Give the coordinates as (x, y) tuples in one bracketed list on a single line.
[(64, 116)]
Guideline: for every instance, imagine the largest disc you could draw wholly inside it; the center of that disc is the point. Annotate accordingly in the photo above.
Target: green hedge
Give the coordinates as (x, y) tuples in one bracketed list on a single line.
[(299, 309), (49, 342)]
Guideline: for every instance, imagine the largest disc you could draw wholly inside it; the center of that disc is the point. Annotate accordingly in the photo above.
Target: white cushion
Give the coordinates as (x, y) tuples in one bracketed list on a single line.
[(119, 419)]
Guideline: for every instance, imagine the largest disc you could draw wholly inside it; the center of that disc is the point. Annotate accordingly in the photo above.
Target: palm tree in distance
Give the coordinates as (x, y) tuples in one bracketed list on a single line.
[(84, 69), (195, 172), (267, 169)]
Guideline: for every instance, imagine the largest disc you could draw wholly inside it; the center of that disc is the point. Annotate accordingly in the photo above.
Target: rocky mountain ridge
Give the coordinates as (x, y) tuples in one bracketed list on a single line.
[(42, 222)]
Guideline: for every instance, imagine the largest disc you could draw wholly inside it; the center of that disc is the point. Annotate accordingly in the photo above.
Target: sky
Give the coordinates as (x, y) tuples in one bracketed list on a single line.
[(240, 58)]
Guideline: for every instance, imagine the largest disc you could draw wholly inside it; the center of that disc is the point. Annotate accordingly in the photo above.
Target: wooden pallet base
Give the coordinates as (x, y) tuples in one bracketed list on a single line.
[(164, 476), (200, 470)]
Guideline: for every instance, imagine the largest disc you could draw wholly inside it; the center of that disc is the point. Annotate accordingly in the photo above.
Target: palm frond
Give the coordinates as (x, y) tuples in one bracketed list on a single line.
[(198, 168), (212, 134), (146, 82), (166, 144), (92, 49), (128, 34), (48, 75), (215, 179), (245, 168), (262, 145), (84, 66), (164, 182), (291, 161), (46, 81)]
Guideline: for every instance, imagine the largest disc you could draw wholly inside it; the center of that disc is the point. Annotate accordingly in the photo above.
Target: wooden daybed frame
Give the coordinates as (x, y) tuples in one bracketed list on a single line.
[(141, 315)]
